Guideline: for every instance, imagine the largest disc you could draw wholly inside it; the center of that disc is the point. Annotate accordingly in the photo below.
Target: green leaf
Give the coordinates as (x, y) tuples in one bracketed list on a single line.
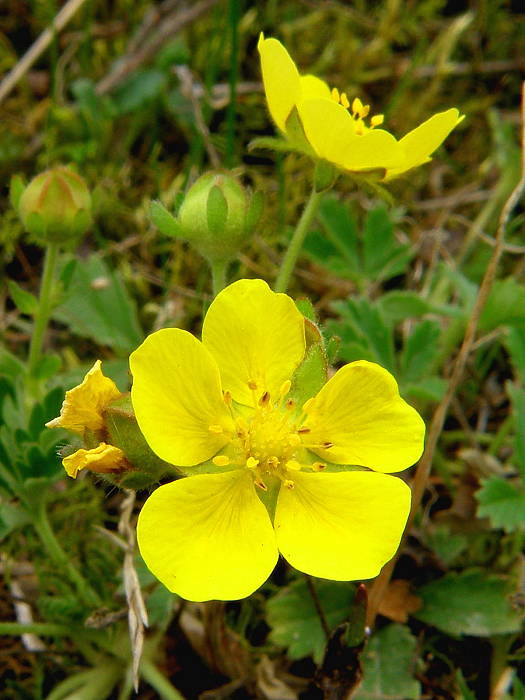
[(471, 602), (427, 389), (294, 620), (10, 365), (99, 307), (48, 366), (503, 503), (142, 87), (11, 518), (517, 395), (505, 305), (388, 666), (383, 256), (420, 350), (26, 302), (446, 545), (398, 306), (514, 341), (340, 228)]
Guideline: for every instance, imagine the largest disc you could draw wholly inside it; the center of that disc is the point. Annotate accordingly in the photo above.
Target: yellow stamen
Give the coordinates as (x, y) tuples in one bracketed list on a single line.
[(377, 119), (265, 399), (251, 462), (260, 483), (364, 112), (344, 100), (285, 388), (227, 398), (357, 106), (252, 385), (335, 94), (290, 404), (217, 429), (221, 461), (318, 466), (288, 483), (303, 430)]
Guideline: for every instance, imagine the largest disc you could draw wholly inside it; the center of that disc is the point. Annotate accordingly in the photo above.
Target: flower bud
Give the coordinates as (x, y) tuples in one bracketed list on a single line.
[(217, 216), (56, 206)]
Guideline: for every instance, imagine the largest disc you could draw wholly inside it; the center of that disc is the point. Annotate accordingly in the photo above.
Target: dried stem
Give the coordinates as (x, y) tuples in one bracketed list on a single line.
[(436, 426)]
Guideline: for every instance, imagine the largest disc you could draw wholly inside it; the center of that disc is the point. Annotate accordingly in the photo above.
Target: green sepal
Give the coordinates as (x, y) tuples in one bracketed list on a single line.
[(216, 210), (16, 188), (164, 221), (325, 175), (310, 376), (254, 211), (124, 433)]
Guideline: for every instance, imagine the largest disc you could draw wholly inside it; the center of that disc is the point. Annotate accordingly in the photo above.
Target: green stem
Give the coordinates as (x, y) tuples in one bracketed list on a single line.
[(44, 310), (158, 681), (291, 255), (218, 275), (233, 21), (46, 629), (57, 554)]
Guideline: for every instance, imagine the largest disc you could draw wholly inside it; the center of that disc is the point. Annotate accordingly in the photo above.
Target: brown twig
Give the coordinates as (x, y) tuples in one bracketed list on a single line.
[(39, 46), (138, 53), (436, 426)]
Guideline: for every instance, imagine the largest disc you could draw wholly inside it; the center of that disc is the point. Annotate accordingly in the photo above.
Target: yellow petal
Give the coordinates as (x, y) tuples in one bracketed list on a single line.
[(312, 86), (359, 410), (421, 142), (342, 526), (177, 398), (104, 459), (84, 404), (331, 132), (208, 536), (256, 337), (280, 78)]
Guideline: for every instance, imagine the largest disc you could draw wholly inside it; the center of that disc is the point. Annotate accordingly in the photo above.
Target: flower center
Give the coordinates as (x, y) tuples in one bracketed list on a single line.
[(269, 441), (359, 112)]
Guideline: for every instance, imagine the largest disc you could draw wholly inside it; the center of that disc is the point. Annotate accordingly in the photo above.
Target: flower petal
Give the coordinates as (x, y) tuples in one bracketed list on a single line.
[(331, 132), (84, 404), (208, 536), (422, 141), (343, 526), (312, 86), (256, 336), (104, 459), (359, 410), (177, 396), (280, 78)]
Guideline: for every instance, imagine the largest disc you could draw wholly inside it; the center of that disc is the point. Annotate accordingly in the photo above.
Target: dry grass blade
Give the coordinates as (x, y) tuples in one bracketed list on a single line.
[(380, 584), (137, 614)]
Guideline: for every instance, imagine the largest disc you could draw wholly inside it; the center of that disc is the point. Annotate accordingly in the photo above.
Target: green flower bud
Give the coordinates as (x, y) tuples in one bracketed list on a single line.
[(56, 206), (217, 216)]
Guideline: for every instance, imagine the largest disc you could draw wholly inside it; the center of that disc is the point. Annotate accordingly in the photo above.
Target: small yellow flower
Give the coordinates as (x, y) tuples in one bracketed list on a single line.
[(337, 132), (230, 399), (82, 412), (84, 404)]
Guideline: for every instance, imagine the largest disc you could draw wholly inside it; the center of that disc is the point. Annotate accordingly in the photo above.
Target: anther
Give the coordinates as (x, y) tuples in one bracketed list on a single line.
[(357, 106), (376, 120), (344, 100), (272, 462), (318, 466), (227, 397), (365, 111), (260, 483), (217, 429), (307, 407), (265, 399), (303, 430), (328, 444), (252, 385), (285, 388), (221, 461), (288, 483), (290, 404), (251, 462), (335, 94)]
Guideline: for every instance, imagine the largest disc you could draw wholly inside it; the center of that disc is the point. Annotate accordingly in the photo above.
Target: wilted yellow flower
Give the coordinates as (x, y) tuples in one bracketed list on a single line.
[(340, 131), (229, 400), (83, 413)]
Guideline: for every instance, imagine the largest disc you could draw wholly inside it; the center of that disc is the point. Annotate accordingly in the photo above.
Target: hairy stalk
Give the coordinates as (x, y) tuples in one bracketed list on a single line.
[(44, 311), (290, 258), (438, 419), (218, 276)]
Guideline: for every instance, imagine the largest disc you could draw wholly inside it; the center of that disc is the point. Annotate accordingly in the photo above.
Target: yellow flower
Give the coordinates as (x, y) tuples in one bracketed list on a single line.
[(336, 129), (230, 399), (84, 404), (82, 412)]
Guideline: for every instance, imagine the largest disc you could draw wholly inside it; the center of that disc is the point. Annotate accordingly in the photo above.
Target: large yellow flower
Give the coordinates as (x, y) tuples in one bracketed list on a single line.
[(279, 483), (335, 134)]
